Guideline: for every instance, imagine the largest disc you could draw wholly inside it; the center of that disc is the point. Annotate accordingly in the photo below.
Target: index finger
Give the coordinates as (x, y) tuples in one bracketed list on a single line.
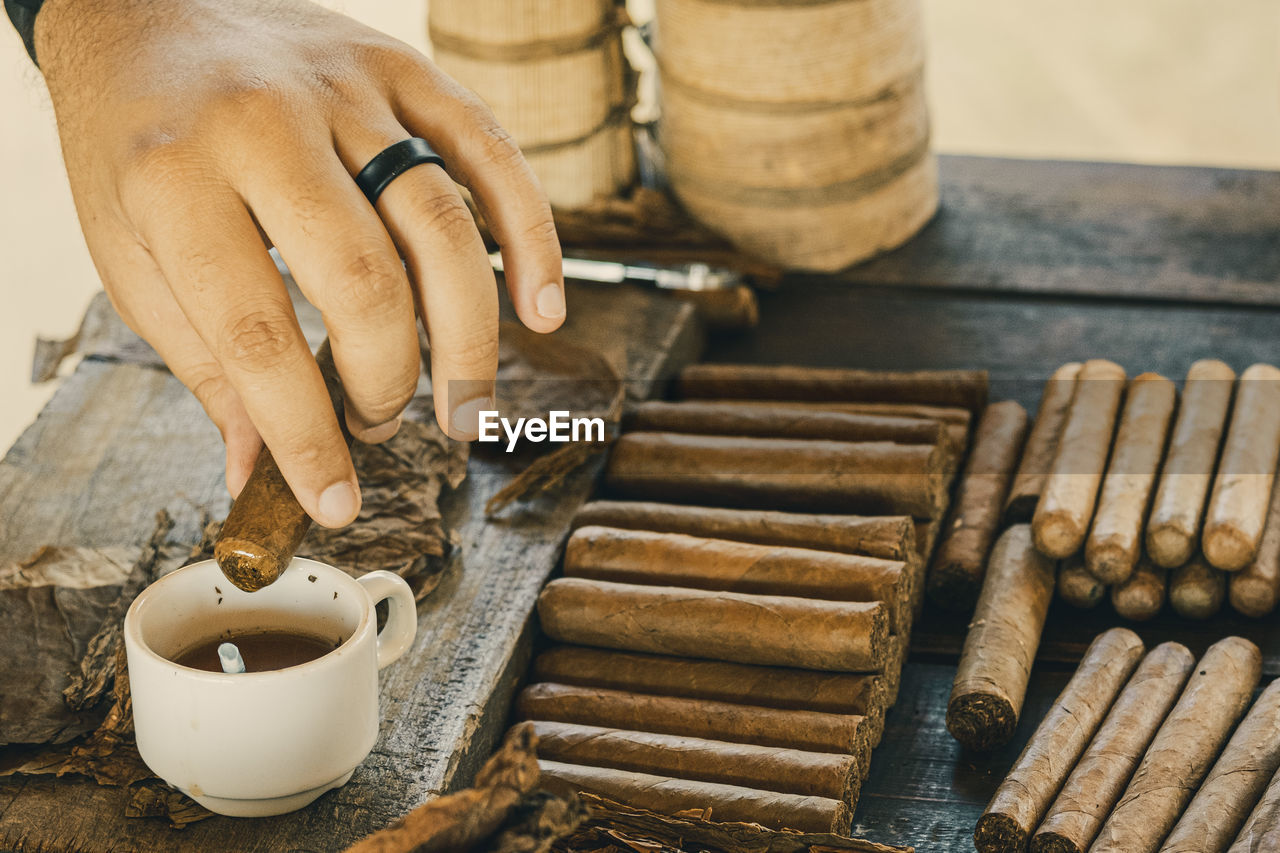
[(229, 288)]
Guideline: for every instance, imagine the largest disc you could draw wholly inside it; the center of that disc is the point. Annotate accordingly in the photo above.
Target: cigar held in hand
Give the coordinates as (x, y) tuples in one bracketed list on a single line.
[(1173, 527), (1071, 490)]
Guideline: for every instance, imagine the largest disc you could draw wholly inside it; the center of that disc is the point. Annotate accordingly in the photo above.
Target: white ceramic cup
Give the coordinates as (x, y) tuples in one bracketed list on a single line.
[(262, 743)]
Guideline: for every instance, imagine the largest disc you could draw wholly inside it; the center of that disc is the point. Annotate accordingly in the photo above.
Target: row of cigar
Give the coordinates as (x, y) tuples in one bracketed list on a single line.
[(728, 635), (1147, 751), (1147, 497)]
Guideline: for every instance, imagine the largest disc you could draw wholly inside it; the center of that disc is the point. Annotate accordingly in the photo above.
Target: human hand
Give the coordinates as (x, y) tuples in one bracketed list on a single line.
[(198, 132)]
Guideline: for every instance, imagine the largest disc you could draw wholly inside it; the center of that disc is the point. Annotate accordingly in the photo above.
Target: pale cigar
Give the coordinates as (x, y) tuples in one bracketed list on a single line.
[(1197, 589), (1255, 588), (1141, 597), (1236, 782), (1077, 586), (890, 537), (811, 731), (991, 681), (673, 559), (1115, 539), (767, 768), (966, 389), (1183, 749), (780, 473), (1100, 775), (723, 802), (774, 630), (955, 578), (1242, 488), (772, 687), (1071, 490), (1021, 800), (1261, 832), (1042, 445), (1173, 528)]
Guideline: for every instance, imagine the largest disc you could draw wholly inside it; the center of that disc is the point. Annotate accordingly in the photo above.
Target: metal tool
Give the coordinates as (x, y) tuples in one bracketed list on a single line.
[(693, 277)]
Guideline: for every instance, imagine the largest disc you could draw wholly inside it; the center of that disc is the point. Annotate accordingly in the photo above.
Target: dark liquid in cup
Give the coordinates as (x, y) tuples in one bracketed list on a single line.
[(262, 651)]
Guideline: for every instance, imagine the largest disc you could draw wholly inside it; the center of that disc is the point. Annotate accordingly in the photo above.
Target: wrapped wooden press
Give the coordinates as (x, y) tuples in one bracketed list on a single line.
[(554, 74), (798, 128)]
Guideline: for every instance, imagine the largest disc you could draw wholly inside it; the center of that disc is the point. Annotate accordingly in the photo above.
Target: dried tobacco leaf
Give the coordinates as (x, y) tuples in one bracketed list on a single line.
[(156, 799), (538, 374), (462, 820), (545, 473), (539, 820), (400, 528), (70, 568)]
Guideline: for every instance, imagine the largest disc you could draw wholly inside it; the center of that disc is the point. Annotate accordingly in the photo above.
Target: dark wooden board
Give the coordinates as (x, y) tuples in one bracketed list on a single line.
[(119, 441), (1096, 229), (923, 789)]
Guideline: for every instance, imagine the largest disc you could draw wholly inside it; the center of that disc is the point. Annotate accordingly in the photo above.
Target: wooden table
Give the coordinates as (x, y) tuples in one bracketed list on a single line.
[(1028, 265)]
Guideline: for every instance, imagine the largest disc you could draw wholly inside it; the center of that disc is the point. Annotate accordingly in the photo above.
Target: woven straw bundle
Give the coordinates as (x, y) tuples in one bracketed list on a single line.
[(798, 128), (554, 74)]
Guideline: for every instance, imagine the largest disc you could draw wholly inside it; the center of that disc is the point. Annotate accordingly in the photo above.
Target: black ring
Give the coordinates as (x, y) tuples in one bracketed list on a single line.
[(392, 162)]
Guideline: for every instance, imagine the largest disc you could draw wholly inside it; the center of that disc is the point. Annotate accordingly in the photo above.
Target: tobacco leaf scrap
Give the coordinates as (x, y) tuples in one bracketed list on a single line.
[(400, 528)]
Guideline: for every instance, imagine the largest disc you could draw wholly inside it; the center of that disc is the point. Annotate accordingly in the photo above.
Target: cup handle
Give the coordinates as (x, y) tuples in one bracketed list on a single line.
[(397, 635)]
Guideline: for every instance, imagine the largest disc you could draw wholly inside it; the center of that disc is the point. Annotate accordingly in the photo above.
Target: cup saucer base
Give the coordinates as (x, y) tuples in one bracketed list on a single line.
[(267, 807)]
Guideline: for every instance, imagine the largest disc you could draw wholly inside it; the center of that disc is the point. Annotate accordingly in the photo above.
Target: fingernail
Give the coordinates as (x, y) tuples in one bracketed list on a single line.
[(338, 505), (380, 433), (550, 302), (464, 422)]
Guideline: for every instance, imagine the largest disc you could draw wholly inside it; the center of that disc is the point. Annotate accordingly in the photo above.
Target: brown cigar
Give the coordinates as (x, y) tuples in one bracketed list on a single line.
[(1021, 800), (723, 802), (1173, 529), (1042, 444), (1070, 491), (811, 731), (1242, 488), (1077, 586), (956, 575), (774, 630), (1262, 830), (991, 681), (767, 768), (673, 559), (951, 416), (1196, 589), (966, 389), (796, 474), (1254, 589), (1236, 782), (1184, 747), (1141, 597), (266, 523), (772, 687), (1095, 784), (890, 537), (772, 420), (1115, 539)]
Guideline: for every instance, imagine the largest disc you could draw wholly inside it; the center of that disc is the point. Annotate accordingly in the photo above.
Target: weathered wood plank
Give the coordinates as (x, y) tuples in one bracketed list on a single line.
[(1096, 229), (122, 440)]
